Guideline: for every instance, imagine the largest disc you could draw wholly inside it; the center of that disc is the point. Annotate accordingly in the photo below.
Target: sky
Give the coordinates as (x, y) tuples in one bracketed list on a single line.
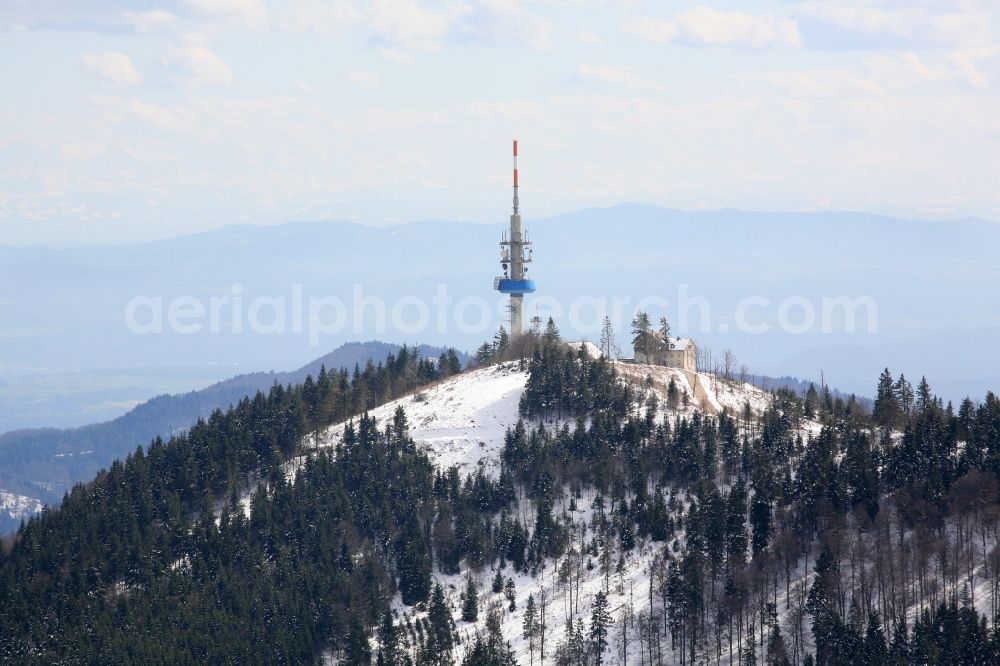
[(130, 120)]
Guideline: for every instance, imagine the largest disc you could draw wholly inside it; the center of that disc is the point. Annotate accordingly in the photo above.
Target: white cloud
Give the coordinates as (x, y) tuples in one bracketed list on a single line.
[(326, 17), (617, 76), (115, 109), (366, 81), (704, 26), (500, 22), (203, 68), (402, 26), (154, 20), (589, 38), (904, 75), (909, 26), (234, 8), (816, 83), (82, 150), (868, 19), (908, 72), (978, 67), (113, 66), (159, 116), (398, 57), (652, 29), (407, 24), (863, 129), (213, 118)]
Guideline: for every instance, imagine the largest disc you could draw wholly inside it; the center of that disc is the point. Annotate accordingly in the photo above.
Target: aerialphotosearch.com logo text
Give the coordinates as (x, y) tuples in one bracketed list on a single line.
[(364, 314)]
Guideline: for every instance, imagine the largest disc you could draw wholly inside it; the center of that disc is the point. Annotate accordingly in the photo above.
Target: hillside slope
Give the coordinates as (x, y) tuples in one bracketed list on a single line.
[(38, 466), (462, 422), (786, 523)]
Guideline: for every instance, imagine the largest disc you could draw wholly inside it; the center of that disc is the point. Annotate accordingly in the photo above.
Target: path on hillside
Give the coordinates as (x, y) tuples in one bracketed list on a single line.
[(696, 385), (701, 392)]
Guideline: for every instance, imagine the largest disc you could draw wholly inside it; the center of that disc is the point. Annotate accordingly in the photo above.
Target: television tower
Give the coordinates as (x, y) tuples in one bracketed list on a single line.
[(515, 252)]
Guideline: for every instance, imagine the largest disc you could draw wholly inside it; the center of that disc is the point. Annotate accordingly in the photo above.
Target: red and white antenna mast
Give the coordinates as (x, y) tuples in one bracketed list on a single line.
[(515, 253), (515, 178)]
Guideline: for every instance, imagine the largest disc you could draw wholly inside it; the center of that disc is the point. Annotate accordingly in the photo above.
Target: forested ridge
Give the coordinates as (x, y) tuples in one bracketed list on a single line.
[(816, 531), (134, 567), (871, 541), (44, 463)]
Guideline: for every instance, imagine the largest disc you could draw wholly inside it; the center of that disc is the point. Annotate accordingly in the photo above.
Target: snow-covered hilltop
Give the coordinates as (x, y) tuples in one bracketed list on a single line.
[(462, 421)]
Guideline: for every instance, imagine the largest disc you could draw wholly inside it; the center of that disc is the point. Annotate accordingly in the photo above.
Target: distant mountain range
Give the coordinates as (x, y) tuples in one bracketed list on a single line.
[(42, 464), (67, 357)]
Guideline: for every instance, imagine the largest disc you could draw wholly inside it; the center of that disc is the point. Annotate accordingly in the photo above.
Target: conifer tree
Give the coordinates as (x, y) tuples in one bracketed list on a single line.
[(449, 363), (470, 601), (579, 646), (498, 582), (875, 650), (388, 639), (658, 517), (551, 335), (358, 651), (760, 521), (642, 334), (886, 405), (600, 620), (810, 402), (673, 394), (924, 398), (484, 355), (664, 329), (607, 338), (777, 654), (501, 344), (903, 392), (861, 472), (414, 563), (827, 624), (736, 534), (441, 633), (529, 626), (491, 649)]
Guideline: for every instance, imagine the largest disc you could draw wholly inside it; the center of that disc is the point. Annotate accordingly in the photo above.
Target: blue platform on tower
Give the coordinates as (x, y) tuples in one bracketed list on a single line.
[(509, 286)]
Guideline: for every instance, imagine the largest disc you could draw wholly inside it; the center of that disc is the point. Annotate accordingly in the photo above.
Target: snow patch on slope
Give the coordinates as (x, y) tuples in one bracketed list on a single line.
[(589, 348), (19, 507), (461, 421)]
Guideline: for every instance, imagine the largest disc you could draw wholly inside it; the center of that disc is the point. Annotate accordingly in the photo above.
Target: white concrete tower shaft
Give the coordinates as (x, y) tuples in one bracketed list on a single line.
[(515, 254), (516, 260)]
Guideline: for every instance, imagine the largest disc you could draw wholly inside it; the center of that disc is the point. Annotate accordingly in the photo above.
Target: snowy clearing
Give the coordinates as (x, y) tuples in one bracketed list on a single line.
[(461, 421)]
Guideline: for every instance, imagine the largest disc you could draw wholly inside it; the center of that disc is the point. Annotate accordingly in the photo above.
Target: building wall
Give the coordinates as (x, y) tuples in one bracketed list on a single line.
[(672, 358), (680, 359)]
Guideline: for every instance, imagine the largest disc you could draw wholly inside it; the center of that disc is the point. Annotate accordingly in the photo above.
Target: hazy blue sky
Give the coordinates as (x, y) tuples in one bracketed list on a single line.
[(129, 120)]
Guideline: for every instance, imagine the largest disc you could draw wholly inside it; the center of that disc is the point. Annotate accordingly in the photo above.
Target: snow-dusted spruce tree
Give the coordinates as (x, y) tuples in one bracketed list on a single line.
[(600, 619), (470, 601), (529, 626)]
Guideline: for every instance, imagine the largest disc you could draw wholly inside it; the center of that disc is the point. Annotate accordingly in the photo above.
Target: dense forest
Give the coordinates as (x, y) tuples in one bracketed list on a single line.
[(152, 561), (44, 463), (866, 543), (816, 532)]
